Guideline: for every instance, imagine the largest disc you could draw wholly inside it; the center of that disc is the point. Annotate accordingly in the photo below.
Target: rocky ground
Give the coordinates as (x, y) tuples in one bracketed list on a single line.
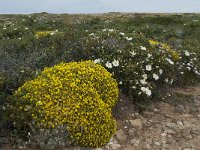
[(168, 125), (173, 124)]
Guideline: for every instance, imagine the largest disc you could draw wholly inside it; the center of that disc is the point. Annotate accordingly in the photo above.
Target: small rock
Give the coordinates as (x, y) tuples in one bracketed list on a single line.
[(157, 143), (198, 116), (163, 134), (120, 135), (135, 142), (171, 125), (180, 123), (180, 108), (148, 146), (98, 149), (170, 132), (115, 146), (131, 132), (195, 131), (137, 123)]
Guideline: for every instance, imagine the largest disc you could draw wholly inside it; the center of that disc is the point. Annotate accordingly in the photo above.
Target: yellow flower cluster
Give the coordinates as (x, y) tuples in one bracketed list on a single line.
[(41, 34), (2, 78), (79, 95), (175, 55)]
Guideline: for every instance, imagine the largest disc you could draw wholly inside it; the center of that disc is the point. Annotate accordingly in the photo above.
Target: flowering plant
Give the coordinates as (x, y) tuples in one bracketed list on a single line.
[(140, 65), (78, 95)]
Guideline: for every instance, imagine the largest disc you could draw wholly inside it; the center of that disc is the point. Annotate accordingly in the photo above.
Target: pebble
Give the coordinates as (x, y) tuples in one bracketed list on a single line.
[(120, 135), (180, 123), (171, 125), (137, 123), (115, 146), (157, 143), (163, 134), (135, 142)]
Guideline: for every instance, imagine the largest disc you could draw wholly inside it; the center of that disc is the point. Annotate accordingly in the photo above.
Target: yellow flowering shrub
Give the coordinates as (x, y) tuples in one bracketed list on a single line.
[(41, 34), (2, 78), (79, 95), (175, 55)]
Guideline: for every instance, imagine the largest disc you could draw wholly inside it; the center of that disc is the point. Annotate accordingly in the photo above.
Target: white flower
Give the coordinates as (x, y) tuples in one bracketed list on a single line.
[(187, 53), (97, 60), (143, 48), (155, 76), (134, 87), (120, 82), (171, 82), (160, 71), (143, 89), (188, 68), (143, 81), (133, 53), (166, 80), (170, 61), (148, 92), (149, 55), (52, 33), (104, 30), (92, 34), (129, 39), (109, 65), (110, 30), (115, 63), (148, 68), (144, 76), (121, 33)]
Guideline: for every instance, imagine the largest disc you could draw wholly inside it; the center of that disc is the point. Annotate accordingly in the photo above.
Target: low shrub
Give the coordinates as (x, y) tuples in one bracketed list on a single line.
[(140, 65), (79, 96)]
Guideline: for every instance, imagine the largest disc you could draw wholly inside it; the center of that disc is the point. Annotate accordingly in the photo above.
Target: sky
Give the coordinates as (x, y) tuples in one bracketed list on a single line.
[(98, 6)]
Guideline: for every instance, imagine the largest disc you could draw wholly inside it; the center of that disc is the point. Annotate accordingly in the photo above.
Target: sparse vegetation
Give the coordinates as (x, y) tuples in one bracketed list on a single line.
[(145, 53)]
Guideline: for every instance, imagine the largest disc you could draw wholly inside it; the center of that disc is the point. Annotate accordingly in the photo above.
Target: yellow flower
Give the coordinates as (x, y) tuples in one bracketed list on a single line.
[(152, 42)]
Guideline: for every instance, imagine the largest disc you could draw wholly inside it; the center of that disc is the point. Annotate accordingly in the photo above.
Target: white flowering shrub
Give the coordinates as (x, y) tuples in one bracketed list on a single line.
[(140, 65)]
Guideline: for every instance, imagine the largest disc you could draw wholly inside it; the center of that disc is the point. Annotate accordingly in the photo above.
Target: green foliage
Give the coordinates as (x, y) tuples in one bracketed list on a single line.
[(140, 65)]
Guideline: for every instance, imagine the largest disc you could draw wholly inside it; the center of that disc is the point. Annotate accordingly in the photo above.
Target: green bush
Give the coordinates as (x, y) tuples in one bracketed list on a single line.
[(79, 96), (141, 65)]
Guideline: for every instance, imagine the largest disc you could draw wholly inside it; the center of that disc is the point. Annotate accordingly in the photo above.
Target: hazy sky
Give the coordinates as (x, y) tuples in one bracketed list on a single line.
[(98, 6)]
